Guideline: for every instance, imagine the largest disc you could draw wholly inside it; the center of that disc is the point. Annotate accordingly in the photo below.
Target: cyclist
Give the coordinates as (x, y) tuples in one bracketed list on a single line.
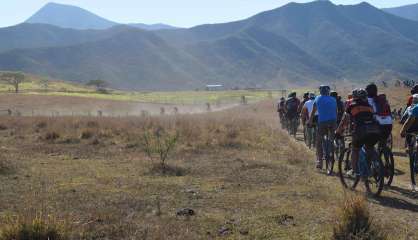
[(291, 108), (365, 131), (306, 112), (411, 126), (305, 99), (414, 90), (307, 109), (281, 110), (340, 106), (381, 109), (326, 107)]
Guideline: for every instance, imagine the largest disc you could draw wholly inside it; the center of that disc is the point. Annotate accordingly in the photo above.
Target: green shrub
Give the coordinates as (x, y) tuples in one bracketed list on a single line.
[(158, 144)]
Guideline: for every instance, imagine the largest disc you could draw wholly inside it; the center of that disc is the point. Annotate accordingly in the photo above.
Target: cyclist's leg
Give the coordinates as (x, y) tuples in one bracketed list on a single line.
[(331, 128), (321, 131), (386, 131)]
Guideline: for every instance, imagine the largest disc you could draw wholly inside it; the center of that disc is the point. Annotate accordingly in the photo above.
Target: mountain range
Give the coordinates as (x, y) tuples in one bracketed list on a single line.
[(297, 44)]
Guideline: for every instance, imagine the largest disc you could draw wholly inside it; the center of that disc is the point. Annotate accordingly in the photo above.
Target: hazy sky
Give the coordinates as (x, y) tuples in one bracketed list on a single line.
[(182, 13)]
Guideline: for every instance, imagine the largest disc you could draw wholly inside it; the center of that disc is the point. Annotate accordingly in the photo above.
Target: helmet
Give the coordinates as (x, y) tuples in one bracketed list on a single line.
[(371, 90), (334, 94), (415, 99), (359, 93), (414, 89), (312, 96), (324, 90), (292, 94)]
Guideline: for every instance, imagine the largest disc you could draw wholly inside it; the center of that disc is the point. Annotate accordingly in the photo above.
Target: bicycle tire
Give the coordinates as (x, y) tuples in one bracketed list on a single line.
[(344, 165), (389, 165), (377, 176), (329, 158), (413, 165)]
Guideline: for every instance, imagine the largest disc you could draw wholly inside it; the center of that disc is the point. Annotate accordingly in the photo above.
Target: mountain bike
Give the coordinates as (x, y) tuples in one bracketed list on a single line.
[(413, 157), (385, 153), (372, 171), (339, 145)]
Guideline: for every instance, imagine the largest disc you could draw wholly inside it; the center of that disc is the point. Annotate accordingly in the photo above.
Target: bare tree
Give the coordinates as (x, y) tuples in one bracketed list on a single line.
[(99, 84), (13, 78), (45, 84)]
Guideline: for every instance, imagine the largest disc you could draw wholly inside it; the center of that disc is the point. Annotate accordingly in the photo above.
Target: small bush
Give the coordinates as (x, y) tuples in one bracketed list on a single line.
[(86, 134), (158, 144), (33, 229), (40, 125), (51, 136), (92, 124), (355, 222)]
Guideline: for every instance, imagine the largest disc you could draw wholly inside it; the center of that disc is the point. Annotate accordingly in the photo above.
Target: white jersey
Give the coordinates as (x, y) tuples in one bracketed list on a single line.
[(309, 106), (383, 120)]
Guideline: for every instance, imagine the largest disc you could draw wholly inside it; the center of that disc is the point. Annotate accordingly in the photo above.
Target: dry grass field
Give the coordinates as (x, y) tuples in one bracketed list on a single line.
[(231, 174)]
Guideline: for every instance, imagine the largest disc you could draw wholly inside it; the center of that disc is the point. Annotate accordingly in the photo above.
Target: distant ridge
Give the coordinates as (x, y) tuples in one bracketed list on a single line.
[(68, 16), (407, 11)]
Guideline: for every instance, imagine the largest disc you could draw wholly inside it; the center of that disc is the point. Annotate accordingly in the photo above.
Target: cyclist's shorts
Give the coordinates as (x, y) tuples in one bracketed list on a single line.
[(385, 130), (369, 141)]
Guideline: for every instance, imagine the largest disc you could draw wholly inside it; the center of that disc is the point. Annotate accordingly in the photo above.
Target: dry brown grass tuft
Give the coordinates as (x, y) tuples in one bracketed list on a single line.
[(355, 222), (37, 228), (51, 136)]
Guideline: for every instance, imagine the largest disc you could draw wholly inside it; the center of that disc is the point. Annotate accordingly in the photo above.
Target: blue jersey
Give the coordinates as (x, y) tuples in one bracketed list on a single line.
[(414, 111), (327, 108)]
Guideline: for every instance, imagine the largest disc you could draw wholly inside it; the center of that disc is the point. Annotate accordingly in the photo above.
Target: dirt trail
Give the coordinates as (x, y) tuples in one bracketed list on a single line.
[(397, 204), (38, 105)]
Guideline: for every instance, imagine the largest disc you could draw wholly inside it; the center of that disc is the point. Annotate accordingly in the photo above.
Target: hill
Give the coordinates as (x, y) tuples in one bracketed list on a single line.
[(407, 11), (297, 43), (67, 16)]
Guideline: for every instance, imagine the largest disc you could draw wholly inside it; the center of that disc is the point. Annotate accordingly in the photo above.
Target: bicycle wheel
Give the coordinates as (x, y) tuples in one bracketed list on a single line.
[(375, 181), (329, 158), (390, 142), (389, 165), (348, 181), (413, 164)]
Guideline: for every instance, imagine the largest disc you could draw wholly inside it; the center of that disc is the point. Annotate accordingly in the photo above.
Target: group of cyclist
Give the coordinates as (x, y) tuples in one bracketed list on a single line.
[(365, 116)]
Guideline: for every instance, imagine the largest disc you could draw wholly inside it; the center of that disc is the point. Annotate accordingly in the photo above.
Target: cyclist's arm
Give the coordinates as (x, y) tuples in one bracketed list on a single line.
[(344, 122), (407, 125), (314, 109), (304, 115)]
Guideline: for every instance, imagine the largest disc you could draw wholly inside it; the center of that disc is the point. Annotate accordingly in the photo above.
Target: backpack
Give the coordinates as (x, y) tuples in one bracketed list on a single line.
[(382, 106), (292, 105)]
